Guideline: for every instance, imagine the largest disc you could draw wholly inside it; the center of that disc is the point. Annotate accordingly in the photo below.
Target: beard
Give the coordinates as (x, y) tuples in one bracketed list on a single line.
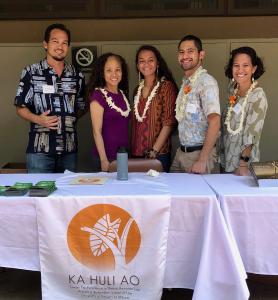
[(58, 58), (190, 66)]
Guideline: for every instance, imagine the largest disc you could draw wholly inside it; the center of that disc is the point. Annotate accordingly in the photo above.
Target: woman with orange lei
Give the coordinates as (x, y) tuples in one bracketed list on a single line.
[(242, 121)]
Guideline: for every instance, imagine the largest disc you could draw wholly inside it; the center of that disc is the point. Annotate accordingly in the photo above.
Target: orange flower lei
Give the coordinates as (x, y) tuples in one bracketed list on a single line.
[(183, 95), (187, 89), (230, 109), (232, 100)]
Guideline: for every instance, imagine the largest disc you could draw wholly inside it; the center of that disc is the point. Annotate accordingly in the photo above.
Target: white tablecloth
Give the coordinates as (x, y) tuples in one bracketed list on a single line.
[(251, 213), (201, 253)]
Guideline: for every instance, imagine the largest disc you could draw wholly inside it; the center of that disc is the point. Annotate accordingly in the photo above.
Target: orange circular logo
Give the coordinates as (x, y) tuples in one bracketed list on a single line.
[(103, 237)]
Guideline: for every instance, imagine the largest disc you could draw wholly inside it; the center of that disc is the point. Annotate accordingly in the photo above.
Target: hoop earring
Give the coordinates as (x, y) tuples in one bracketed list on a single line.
[(253, 79), (139, 77), (233, 83)]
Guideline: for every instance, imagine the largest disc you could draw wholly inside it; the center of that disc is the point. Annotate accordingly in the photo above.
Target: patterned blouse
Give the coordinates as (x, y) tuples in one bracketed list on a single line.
[(161, 112), (233, 145)]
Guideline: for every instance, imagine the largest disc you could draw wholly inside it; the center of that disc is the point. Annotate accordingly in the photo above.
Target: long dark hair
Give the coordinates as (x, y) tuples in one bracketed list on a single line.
[(163, 70), (255, 60), (97, 77)]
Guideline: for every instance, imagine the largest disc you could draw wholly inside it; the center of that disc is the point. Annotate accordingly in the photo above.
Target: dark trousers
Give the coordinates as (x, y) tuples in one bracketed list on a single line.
[(46, 163)]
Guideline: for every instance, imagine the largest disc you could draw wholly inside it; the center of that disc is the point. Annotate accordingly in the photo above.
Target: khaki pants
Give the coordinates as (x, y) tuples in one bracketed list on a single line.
[(184, 160)]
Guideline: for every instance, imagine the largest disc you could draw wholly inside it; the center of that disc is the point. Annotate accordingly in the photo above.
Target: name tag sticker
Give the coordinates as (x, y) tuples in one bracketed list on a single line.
[(48, 89), (191, 108), (237, 108)]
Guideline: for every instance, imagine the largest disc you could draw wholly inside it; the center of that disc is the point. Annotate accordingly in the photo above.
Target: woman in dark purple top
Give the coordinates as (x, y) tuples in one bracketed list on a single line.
[(109, 107)]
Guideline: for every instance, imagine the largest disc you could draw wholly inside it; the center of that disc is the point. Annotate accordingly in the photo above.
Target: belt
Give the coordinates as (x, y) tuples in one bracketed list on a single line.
[(191, 149)]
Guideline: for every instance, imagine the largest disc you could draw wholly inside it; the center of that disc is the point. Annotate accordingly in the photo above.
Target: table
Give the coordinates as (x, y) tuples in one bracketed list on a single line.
[(201, 253), (251, 213)]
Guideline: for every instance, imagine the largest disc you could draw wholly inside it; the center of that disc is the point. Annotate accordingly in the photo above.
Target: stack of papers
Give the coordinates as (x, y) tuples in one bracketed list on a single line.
[(42, 189), (2, 190), (18, 189)]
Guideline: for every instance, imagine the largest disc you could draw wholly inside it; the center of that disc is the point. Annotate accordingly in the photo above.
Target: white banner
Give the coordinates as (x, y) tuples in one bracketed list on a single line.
[(98, 247)]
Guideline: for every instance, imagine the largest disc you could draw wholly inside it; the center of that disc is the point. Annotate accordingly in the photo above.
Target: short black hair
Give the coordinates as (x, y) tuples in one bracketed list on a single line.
[(255, 60), (195, 39), (56, 26)]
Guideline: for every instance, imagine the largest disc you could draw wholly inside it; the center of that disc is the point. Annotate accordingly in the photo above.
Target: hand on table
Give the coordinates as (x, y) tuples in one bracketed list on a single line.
[(242, 171), (105, 165), (198, 167)]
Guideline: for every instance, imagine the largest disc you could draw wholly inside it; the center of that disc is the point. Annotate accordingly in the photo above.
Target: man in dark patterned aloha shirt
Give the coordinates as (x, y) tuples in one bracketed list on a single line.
[(51, 96)]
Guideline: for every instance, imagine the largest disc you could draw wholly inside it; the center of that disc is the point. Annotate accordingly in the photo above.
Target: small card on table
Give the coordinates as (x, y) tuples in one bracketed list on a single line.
[(88, 180)]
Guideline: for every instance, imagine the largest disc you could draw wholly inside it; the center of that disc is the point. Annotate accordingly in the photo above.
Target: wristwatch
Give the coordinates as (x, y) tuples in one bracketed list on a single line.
[(245, 158)]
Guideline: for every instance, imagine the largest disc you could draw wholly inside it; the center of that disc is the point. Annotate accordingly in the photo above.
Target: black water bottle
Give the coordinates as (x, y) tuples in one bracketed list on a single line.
[(122, 164)]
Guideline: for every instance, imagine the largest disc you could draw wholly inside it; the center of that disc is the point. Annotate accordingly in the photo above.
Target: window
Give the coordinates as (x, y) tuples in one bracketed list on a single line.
[(160, 8), (253, 7), (95, 9)]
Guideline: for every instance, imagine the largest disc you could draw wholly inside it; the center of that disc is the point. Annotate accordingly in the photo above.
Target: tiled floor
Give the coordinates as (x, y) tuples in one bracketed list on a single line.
[(25, 285)]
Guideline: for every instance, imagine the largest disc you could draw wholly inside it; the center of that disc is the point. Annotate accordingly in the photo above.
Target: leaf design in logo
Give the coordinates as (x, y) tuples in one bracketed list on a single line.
[(103, 227)]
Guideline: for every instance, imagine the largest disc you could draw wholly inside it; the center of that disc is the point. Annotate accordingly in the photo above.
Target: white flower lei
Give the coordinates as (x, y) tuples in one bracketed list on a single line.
[(149, 99), (230, 109), (183, 97), (112, 104)]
